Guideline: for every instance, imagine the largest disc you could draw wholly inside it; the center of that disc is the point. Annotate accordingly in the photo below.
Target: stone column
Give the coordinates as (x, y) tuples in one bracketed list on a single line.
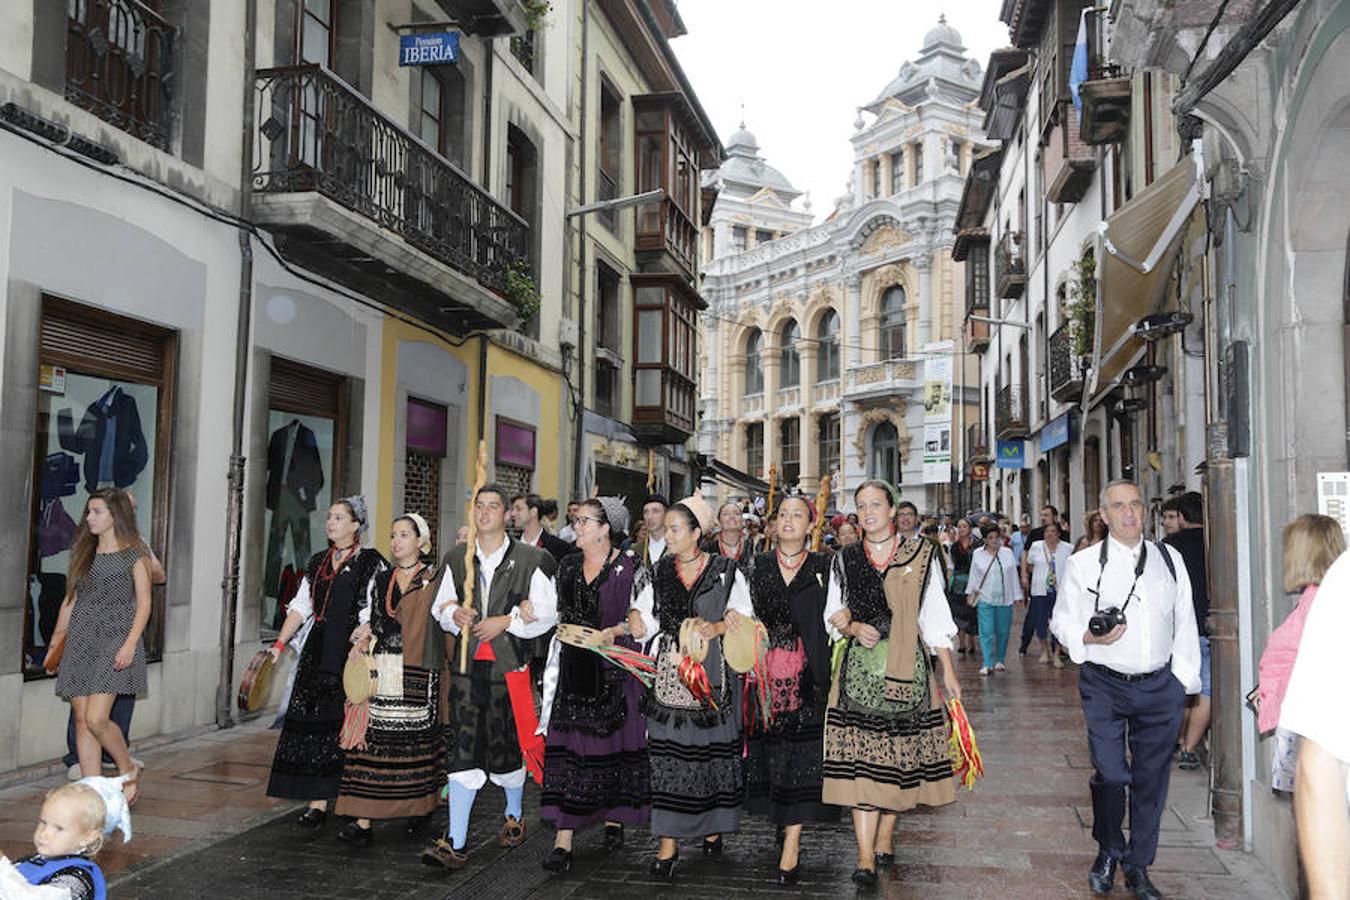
[(809, 351), (769, 359), (810, 453), (730, 401), (924, 265), (885, 186), (849, 333)]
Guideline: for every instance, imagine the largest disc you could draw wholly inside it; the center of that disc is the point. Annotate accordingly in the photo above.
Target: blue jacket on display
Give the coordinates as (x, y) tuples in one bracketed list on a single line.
[(117, 454)]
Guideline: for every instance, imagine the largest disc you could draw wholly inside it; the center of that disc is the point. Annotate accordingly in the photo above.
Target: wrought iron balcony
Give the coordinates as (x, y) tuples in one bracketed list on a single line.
[(324, 152), (119, 65), (1010, 266), (1010, 413), (1067, 371), (978, 446)]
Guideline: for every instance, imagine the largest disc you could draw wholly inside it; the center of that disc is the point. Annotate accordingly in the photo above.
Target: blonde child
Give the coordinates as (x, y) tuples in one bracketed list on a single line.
[(71, 828)]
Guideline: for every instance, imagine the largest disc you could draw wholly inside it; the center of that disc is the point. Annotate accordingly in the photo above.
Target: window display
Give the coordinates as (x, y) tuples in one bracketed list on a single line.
[(299, 492)]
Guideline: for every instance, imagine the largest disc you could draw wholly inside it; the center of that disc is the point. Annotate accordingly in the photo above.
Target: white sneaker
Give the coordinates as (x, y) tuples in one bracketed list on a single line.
[(1000, 667), (1043, 658), (1059, 661), (984, 670), (74, 773)]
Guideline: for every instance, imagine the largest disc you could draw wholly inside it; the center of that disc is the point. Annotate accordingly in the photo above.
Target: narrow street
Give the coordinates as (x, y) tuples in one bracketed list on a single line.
[(204, 829)]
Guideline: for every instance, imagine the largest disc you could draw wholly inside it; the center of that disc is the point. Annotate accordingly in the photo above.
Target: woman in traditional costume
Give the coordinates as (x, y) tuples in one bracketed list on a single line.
[(783, 763), (697, 779), (399, 772), (333, 593), (731, 540), (595, 756), (885, 729)]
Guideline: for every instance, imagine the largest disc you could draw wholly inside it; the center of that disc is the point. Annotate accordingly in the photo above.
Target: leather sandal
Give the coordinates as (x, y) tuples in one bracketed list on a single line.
[(512, 833)]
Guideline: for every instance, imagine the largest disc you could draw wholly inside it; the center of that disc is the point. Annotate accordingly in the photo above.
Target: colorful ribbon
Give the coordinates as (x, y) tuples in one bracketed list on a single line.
[(967, 763)]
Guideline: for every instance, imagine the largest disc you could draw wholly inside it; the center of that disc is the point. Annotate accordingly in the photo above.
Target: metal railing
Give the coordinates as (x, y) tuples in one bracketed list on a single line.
[(315, 133), (1010, 412), (1067, 371), (119, 65), (1010, 268)]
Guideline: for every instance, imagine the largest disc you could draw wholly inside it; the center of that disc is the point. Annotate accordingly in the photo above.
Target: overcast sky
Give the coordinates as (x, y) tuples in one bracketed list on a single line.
[(801, 69)]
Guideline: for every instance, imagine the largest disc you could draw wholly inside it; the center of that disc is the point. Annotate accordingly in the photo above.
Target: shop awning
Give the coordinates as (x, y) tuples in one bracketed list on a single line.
[(1134, 266), (724, 473)]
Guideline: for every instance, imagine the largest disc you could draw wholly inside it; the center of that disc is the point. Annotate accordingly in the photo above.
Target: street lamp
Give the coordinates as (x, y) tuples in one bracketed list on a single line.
[(990, 321)]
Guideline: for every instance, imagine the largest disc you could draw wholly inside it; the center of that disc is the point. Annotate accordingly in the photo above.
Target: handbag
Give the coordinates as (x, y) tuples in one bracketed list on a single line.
[(864, 684), (55, 649), (976, 595)]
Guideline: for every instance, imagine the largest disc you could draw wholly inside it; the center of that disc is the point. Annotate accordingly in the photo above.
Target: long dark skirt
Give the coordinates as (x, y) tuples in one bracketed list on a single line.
[(591, 778), (308, 761), (401, 771), (783, 766)]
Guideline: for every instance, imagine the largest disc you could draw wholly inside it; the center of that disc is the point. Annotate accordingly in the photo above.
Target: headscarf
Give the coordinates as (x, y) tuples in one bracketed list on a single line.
[(423, 531), (702, 512), (358, 505), (616, 513), (117, 814)]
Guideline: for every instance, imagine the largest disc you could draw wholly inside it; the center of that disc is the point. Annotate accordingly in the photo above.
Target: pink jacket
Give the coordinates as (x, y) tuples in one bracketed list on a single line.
[(1278, 661)]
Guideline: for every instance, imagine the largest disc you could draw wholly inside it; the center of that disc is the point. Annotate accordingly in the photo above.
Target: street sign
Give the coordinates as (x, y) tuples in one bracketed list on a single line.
[(432, 49), (979, 471), (1056, 432), (1011, 454)]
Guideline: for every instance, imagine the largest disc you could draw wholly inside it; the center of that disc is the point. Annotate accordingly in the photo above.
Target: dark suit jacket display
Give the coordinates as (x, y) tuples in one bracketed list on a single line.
[(129, 451), (304, 478)]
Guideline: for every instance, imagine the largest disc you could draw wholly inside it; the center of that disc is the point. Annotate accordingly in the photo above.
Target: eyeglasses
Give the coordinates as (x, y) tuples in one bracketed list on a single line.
[(591, 519)]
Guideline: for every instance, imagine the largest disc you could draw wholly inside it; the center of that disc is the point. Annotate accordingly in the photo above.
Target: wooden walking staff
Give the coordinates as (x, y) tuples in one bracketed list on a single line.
[(768, 505), (470, 551), (651, 471), (822, 498)]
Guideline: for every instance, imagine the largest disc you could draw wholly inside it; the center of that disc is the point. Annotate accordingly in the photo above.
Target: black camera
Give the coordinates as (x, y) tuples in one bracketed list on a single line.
[(1104, 620)]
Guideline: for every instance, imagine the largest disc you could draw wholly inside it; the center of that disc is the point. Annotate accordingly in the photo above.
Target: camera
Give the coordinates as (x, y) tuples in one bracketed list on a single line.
[(1104, 620)]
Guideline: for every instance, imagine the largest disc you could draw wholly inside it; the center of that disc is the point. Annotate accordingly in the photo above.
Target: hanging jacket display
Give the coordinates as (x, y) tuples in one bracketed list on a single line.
[(110, 439)]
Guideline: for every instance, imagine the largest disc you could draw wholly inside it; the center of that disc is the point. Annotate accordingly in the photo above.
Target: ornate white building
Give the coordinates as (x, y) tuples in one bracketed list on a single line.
[(816, 340)]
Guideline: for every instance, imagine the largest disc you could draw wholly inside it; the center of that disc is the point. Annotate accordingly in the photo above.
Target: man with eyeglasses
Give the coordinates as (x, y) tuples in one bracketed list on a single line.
[(1137, 668)]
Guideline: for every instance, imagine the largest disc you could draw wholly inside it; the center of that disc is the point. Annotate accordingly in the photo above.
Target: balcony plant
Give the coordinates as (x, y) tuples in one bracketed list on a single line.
[(1082, 305), (535, 13), (521, 291)]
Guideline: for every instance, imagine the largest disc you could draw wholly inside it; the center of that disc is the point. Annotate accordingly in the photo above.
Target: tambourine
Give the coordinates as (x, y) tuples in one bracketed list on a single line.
[(692, 643), (360, 678), (256, 685), (743, 645), (579, 636)]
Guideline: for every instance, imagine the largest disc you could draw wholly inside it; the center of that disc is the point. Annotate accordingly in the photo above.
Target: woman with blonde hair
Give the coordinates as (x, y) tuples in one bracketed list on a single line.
[(103, 619), (1311, 544)]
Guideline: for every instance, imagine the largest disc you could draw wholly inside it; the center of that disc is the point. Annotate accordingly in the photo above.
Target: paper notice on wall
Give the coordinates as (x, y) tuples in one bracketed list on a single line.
[(937, 453), (1333, 497), (52, 379)]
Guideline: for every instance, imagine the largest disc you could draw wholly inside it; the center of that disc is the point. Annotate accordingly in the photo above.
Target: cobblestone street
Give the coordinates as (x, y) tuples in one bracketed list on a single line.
[(203, 829)]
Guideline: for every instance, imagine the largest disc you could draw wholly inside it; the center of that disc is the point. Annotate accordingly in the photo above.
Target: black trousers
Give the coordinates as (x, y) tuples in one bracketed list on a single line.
[(1144, 716)]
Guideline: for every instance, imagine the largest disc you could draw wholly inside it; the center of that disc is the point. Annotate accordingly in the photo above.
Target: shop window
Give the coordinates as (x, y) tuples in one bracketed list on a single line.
[(305, 423), (104, 414), (427, 430), (515, 456)]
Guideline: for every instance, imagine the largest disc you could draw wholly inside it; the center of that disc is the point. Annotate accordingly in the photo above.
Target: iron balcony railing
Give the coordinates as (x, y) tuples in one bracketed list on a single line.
[(1010, 413), (119, 65), (1067, 371), (316, 133), (1010, 268)]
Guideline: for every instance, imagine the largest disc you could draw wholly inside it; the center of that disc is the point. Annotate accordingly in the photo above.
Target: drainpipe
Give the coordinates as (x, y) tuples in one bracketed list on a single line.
[(482, 388), (487, 115), (579, 435), (234, 507)]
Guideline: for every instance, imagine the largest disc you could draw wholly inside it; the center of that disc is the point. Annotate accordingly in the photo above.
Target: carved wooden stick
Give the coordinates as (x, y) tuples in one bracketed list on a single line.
[(651, 471), (768, 506), (822, 498), (470, 550)]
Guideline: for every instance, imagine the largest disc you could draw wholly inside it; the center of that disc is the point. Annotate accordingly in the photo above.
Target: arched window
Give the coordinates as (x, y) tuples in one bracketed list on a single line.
[(827, 351), (791, 367), (893, 323), (754, 370), (885, 462)]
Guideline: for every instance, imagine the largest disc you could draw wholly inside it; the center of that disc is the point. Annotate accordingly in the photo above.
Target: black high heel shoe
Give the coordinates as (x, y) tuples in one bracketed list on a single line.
[(354, 834), (789, 876), (713, 847), (559, 860), (311, 818), (613, 837), (665, 868), (866, 879), (884, 859)]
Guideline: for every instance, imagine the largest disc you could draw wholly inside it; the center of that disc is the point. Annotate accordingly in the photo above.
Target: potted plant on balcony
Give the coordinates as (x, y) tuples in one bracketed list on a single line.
[(1082, 308), (535, 13), (521, 291)]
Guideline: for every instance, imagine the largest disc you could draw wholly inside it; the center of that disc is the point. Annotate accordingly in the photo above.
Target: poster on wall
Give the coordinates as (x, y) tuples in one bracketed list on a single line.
[(937, 417), (299, 492)]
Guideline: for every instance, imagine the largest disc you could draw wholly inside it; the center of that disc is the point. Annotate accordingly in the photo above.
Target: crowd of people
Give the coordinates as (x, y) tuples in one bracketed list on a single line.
[(853, 622)]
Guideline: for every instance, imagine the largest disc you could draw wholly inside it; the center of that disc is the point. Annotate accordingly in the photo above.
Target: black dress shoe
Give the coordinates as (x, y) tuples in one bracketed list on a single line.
[(559, 860), (1136, 879), (311, 818), (665, 868), (354, 834), (884, 859), (789, 876), (713, 847), (1102, 878), (865, 878), (613, 837)]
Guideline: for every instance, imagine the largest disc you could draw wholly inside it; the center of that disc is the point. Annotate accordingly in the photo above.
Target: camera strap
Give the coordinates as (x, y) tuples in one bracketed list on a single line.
[(1138, 571)]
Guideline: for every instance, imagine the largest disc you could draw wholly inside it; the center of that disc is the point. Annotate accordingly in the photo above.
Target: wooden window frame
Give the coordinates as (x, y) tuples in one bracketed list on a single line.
[(301, 14)]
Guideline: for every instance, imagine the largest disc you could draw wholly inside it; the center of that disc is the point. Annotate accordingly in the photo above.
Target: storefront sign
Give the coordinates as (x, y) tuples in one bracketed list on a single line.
[(434, 49), (1011, 454), (515, 444), (1056, 432), (979, 471)]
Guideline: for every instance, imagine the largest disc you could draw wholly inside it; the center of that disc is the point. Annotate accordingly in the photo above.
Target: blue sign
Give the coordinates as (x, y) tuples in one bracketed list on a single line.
[(1056, 432), (1011, 454), (431, 49)]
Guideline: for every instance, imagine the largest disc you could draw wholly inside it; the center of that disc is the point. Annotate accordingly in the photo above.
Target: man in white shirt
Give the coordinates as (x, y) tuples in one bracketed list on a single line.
[(1134, 679), (653, 547), (514, 601), (1314, 709)]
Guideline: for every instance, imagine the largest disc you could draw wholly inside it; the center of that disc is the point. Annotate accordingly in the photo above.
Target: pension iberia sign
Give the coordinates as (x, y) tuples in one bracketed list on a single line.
[(431, 49)]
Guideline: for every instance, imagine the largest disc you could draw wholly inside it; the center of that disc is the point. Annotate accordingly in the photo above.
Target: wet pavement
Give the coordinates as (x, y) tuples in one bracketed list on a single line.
[(204, 829)]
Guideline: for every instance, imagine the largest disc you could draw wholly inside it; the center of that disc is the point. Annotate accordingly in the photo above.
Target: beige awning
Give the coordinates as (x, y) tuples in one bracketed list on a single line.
[(1134, 265)]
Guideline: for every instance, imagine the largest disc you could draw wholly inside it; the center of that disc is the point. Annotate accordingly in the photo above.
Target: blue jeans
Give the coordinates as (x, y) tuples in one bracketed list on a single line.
[(121, 715), (1038, 619), (995, 626)]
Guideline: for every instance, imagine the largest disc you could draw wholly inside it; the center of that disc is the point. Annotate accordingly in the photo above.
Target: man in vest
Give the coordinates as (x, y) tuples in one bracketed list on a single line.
[(653, 547), (514, 601)]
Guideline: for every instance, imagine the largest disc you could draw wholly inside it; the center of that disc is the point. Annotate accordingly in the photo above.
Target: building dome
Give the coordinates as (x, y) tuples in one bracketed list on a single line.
[(745, 168), (943, 34), (743, 140)]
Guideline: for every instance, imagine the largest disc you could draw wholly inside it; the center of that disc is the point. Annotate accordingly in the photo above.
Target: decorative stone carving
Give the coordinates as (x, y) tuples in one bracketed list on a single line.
[(887, 237), (894, 415)]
